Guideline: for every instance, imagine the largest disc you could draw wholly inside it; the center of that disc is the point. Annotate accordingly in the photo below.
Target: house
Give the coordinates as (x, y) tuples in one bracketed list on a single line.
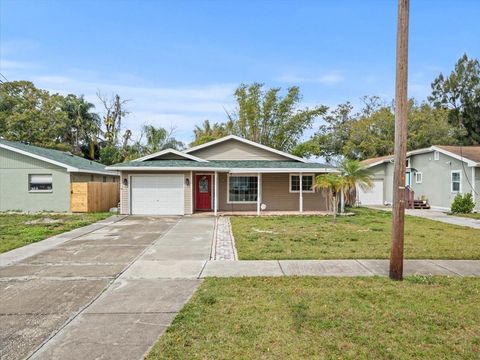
[(437, 173), (230, 174), (33, 178)]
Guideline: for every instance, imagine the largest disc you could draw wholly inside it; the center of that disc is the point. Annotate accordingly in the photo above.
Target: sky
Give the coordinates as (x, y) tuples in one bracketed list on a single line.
[(179, 62)]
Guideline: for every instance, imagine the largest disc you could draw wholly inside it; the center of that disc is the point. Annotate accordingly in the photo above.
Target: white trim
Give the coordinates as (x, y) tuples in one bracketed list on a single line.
[(300, 193), (259, 193), (301, 187), (473, 188), (436, 155), (249, 142), (232, 170), (215, 194), (416, 177), (451, 181), (228, 188), (170, 151), (38, 157), (54, 162)]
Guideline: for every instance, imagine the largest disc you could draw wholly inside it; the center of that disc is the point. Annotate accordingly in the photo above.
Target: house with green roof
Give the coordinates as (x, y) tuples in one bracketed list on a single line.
[(35, 179), (230, 174)]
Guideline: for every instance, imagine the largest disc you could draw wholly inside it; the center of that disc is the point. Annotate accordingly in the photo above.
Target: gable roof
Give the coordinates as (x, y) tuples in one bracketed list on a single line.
[(170, 151), (249, 142), (467, 154), (63, 159), (237, 166)]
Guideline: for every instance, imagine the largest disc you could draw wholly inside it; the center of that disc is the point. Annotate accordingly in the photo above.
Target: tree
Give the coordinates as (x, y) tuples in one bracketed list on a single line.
[(354, 175), (331, 186), (269, 119), (114, 111), (460, 93), (83, 126), (32, 115), (159, 139), (207, 132)]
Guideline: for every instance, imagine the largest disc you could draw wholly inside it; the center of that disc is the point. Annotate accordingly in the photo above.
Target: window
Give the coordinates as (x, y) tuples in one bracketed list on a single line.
[(407, 164), (307, 183), (436, 155), (418, 177), (242, 189), (408, 179), (39, 183), (456, 181)]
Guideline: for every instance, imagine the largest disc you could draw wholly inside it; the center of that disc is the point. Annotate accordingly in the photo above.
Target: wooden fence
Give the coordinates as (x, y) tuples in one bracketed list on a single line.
[(94, 196)]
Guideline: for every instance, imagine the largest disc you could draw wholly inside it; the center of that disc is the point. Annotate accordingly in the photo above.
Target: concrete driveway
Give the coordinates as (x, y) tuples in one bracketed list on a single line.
[(41, 294)]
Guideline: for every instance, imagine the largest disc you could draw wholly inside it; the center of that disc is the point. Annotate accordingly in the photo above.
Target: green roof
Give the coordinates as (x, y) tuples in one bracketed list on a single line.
[(68, 160), (223, 164)]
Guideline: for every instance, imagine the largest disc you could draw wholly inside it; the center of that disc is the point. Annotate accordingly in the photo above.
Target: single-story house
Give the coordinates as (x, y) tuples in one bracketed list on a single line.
[(230, 174), (437, 174), (34, 179)]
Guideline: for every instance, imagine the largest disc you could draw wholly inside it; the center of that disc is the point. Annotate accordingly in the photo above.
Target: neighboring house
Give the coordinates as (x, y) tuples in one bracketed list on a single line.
[(437, 173), (228, 174), (38, 179)]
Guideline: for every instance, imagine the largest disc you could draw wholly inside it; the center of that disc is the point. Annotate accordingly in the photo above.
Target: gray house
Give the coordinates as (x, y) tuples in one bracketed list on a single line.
[(38, 179), (437, 173)]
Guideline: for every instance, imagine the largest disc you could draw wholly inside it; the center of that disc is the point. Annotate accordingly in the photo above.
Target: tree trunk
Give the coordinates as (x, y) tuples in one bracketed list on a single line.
[(335, 206)]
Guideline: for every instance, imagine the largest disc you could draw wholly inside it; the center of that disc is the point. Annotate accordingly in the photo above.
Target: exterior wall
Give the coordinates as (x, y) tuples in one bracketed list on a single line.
[(14, 176), (236, 150), (124, 190), (436, 179), (84, 177), (275, 194), (436, 182)]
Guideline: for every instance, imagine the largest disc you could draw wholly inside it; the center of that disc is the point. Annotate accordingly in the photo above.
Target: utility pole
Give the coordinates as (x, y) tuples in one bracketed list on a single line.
[(400, 153)]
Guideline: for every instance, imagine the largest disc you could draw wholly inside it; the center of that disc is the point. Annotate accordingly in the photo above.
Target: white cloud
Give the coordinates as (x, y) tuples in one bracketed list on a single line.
[(329, 78)]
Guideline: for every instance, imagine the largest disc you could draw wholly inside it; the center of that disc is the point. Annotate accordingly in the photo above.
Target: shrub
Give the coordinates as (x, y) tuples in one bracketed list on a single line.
[(463, 204)]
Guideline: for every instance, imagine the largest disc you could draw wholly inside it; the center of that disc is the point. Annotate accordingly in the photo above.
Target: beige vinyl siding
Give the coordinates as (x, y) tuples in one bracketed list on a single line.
[(124, 190), (236, 150), (275, 194)]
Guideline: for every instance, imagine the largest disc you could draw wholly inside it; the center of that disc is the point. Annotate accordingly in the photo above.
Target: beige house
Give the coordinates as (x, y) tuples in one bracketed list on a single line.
[(230, 174)]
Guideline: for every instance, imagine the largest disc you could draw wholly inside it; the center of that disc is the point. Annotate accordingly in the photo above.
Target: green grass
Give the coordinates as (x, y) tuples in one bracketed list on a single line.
[(15, 232), (327, 318), (365, 235)]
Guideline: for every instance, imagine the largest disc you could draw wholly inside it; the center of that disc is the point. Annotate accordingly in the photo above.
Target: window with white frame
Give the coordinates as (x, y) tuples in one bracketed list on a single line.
[(40, 182), (307, 183), (436, 155), (456, 181), (407, 163), (418, 177), (242, 189)]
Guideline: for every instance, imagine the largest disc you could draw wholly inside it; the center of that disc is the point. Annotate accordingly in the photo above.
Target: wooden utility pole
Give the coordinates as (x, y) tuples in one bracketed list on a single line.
[(400, 153)]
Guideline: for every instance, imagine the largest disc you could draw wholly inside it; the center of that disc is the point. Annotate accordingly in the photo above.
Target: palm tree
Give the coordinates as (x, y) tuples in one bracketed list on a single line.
[(331, 186), (159, 139), (355, 175)]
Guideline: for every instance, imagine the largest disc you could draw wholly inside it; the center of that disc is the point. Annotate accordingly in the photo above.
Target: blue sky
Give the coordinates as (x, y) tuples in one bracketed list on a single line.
[(180, 61)]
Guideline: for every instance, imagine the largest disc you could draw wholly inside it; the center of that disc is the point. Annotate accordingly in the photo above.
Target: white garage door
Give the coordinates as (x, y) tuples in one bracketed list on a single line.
[(157, 195), (373, 196)]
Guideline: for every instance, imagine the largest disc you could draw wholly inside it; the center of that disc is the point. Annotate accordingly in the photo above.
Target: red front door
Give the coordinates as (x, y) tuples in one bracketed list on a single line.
[(203, 192)]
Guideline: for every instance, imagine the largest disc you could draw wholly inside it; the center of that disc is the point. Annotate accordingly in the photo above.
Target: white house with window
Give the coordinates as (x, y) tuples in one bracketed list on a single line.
[(436, 174), (230, 174)]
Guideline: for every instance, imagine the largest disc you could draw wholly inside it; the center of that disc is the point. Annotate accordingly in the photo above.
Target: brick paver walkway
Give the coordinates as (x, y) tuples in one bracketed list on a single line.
[(224, 244)]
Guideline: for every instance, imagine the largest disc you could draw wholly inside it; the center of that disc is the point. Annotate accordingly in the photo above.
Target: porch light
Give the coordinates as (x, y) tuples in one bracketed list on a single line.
[(187, 182), (125, 182)]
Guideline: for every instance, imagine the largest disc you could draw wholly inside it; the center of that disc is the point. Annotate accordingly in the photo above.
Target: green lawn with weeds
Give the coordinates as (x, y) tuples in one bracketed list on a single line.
[(366, 235), (327, 318), (18, 230)]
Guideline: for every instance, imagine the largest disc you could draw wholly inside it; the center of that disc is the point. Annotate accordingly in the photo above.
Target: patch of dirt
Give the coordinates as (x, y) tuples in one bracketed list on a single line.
[(264, 231), (44, 220)]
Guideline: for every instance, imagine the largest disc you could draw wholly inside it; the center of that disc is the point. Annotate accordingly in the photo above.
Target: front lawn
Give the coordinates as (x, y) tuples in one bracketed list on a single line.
[(18, 230), (327, 318), (363, 236)]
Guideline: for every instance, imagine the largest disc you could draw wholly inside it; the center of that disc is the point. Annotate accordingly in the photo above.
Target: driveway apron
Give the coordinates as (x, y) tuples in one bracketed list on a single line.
[(41, 293), (128, 318)]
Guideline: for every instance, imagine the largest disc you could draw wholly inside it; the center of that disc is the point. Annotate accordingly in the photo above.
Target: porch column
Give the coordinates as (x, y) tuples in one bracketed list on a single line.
[(474, 191), (301, 193), (215, 194), (259, 193), (342, 202)]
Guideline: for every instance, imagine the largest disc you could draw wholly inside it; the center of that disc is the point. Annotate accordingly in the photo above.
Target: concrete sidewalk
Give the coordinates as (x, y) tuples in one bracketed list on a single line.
[(130, 316), (337, 268), (435, 215)]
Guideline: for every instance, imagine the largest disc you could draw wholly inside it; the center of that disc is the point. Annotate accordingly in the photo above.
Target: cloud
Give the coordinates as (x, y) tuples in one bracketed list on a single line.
[(329, 78), (15, 65)]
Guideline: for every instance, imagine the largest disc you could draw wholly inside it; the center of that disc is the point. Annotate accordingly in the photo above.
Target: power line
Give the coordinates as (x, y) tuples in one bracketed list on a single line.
[(3, 77)]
